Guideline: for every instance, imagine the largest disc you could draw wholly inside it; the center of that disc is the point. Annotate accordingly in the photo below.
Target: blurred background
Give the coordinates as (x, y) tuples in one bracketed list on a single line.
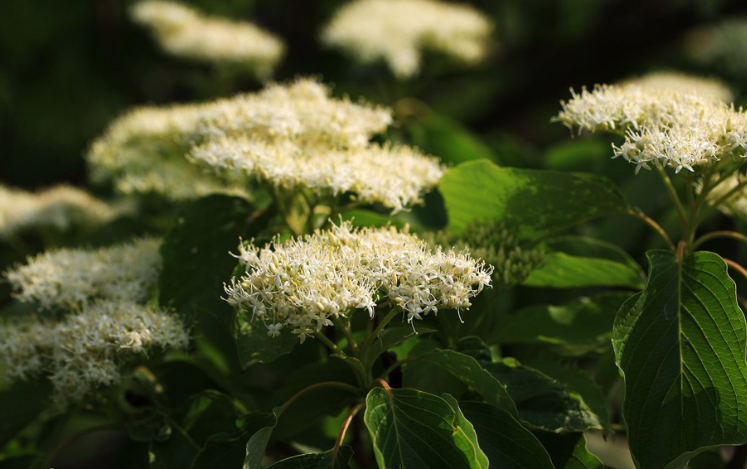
[(68, 68)]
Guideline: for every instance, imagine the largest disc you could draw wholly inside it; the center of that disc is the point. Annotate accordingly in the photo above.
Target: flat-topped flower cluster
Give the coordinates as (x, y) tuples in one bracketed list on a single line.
[(304, 283), (102, 295), (185, 32), (397, 31), (667, 120), (70, 278), (288, 136), (58, 209)]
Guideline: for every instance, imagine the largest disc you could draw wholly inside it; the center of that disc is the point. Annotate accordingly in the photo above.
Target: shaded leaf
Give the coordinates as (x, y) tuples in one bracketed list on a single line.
[(470, 372), (254, 345), (536, 203), (568, 451), (576, 328), (506, 443), (680, 345), (331, 459), (543, 402), (414, 429), (19, 405)]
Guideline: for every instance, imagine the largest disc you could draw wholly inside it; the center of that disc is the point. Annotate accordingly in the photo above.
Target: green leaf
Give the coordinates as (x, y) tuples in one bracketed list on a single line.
[(423, 374), (195, 252), (254, 345), (220, 452), (568, 451), (178, 451), (466, 427), (680, 345), (331, 459), (446, 138), (470, 372), (577, 155), (576, 328), (257, 444), (578, 384), (575, 261), (542, 402), (212, 415), (21, 404), (414, 429), (506, 443), (537, 203), (391, 337)]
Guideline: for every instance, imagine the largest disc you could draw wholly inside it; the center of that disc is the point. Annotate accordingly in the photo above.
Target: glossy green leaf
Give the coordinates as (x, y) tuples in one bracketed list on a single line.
[(222, 452), (543, 402), (393, 336), (332, 459), (569, 451), (537, 203), (415, 429), (506, 443), (423, 374), (257, 444), (680, 345), (466, 427), (470, 372), (576, 328), (575, 261)]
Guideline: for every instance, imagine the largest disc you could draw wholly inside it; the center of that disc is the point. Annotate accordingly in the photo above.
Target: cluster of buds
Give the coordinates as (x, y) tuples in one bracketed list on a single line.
[(497, 245)]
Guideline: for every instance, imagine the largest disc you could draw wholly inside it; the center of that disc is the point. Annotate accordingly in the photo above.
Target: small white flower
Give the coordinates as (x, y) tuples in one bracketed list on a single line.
[(273, 330)]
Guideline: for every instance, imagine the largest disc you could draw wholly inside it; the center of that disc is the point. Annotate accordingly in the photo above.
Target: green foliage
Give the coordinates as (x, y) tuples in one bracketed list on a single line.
[(411, 428), (681, 346), (537, 203)]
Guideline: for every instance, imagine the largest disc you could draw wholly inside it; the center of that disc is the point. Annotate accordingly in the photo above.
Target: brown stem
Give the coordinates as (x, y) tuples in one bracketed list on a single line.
[(397, 364), (345, 425), (314, 387), (736, 267), (650, 222), (719, 234)]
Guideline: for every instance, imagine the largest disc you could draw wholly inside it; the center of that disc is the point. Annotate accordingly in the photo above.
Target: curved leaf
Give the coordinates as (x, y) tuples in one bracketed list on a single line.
[(507, 444), (680, 345), (536, 202), (413, 429), (584, 325), (569, 451), (332, 459)]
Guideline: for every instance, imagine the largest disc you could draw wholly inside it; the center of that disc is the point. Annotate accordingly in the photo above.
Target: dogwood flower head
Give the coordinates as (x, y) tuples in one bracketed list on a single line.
[(303, 283), (497, 245), (70, 278), (185, 32), (85, 350), (144, 150), (680, 125), (302, 111), (59, 208), (396, 177), (396, 31)]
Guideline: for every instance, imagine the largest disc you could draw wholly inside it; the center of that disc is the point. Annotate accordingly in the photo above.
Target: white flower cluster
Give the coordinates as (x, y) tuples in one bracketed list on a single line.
[(392, 176), (103, 294), (672, 121), (396, 31), (58, 208), (185, 32), (302, 283), (143, 151), (297, 137), (85, 350), (71, 278)]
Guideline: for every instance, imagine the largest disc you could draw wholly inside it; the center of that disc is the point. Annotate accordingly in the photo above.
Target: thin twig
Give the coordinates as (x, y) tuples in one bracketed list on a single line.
[(314, 387), (650, 222), (719, 234), (736, 267), (345, 425)]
